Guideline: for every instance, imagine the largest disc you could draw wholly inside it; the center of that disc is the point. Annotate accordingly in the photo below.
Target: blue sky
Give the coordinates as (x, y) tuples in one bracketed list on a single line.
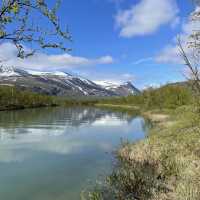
[(120, 40)]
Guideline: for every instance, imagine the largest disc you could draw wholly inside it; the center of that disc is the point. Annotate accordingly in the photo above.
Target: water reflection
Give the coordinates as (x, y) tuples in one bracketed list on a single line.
[(74, 116), (60, 142)]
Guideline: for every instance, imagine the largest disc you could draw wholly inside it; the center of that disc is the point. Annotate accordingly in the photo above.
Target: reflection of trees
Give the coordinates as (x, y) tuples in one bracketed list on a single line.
[(73, 116)]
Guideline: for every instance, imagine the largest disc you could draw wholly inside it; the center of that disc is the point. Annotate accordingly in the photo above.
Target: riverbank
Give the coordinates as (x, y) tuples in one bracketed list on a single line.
[(129, 109), (166, 165), (172, 152), (11, 98)]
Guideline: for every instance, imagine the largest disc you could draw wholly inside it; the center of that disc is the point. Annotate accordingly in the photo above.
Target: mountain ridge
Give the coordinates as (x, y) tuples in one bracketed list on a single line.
[(60, 83)]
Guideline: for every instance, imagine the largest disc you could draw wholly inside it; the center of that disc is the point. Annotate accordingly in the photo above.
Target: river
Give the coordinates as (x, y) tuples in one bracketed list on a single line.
[(55, 153)]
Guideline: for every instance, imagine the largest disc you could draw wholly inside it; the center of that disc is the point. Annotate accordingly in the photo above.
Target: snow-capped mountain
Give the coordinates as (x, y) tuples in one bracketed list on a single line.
[(57, 83), (121, 89)]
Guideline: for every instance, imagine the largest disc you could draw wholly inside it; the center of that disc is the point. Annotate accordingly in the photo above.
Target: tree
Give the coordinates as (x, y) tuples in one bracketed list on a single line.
[(192, 57), (17, 25)]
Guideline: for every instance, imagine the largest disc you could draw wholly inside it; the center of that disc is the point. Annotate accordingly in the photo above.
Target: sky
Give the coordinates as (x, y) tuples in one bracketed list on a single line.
[(118, 41)]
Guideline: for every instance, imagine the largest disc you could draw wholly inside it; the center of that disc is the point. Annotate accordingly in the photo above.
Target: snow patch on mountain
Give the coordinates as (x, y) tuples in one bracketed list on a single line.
[(108, 84), (39, 73), (7, 71)]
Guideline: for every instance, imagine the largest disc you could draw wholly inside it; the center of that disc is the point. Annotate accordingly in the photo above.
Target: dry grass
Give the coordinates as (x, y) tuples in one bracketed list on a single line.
[(164, 166), (175, 150), (156, 117)]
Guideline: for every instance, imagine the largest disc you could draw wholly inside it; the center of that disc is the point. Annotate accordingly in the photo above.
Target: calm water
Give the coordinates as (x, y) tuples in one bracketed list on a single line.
[(54, 153)]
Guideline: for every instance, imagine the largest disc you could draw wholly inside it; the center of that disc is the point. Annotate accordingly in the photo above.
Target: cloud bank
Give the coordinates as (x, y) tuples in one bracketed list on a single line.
[(146, 17), (41, 61)]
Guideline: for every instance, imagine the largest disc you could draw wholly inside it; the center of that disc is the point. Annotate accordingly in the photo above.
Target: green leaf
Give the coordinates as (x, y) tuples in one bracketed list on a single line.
[(15, 8)]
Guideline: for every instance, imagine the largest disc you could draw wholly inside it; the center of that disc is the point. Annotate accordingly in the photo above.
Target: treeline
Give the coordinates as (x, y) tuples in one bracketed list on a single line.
[(12, 98), (169, 96)]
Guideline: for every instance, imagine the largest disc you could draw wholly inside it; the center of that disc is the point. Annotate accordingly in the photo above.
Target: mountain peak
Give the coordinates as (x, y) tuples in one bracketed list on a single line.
[(128, 83), (121, 89)]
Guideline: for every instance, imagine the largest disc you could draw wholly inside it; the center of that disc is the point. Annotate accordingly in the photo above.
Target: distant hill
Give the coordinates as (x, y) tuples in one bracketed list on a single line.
[(60, 84)]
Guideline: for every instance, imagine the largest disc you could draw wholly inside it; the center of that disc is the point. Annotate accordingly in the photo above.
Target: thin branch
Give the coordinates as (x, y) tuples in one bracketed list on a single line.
[(15, 25)]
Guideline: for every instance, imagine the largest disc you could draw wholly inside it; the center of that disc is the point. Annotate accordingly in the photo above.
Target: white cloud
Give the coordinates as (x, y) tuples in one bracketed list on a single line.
[(128, 77), (43, 61), (105, 60), (143, 60), (170, 53), (146, 17)]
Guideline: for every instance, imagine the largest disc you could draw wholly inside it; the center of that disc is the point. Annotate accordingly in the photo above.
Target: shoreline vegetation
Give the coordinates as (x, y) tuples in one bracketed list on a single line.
[(12, 98), (166, 164)]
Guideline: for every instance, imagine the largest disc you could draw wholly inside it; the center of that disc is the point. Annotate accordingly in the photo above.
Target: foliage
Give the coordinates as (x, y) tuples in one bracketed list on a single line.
[(189, 49), (19, 25), (169, 96), (11, 98)]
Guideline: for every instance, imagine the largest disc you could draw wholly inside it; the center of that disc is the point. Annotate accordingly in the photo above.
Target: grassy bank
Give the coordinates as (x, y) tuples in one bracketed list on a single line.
[(167, 162), (165, 165), (131, 110)]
